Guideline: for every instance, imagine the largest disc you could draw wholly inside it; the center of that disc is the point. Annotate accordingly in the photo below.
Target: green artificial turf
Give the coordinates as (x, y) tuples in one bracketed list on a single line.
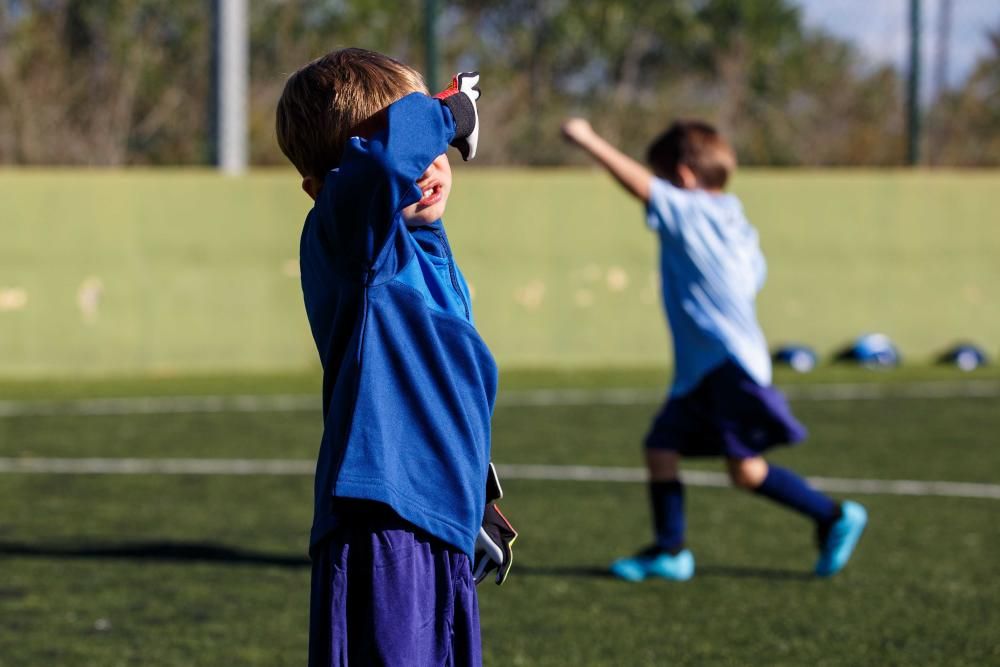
[(212, 570)]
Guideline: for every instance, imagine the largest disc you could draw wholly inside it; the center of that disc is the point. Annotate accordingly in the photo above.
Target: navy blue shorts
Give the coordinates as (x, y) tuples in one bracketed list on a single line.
[(384, 592), (727, 414)]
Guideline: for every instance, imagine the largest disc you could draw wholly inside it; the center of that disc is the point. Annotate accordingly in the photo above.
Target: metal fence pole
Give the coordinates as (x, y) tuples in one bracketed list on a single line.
[(232, 83), (913, 89)]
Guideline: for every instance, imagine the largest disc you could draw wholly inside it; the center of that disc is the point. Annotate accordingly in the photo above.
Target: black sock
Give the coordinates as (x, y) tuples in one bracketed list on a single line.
[(667, 499)]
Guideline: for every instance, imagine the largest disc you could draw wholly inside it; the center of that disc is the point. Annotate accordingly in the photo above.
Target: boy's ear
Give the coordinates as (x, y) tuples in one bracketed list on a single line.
[(687, 179), (311, 186)]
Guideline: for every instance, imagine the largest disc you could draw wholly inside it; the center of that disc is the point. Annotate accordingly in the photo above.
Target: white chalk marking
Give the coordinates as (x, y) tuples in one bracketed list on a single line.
[(160, 405), (156, 466), (553, 473), (893, 487), (153, 405)]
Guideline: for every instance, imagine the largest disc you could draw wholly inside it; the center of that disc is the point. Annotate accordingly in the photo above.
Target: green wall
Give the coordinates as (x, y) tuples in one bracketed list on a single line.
[(178, 271)]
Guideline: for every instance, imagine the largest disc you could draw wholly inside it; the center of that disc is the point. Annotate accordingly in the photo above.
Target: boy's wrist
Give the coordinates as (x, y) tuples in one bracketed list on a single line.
[(460, 98), (463, 111)]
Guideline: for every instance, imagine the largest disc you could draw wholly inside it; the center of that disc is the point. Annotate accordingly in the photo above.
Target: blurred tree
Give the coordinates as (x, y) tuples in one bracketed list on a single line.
[(604, 59), (964, 125), (286, 34), (783, 95), (103, 82), (129, 81)]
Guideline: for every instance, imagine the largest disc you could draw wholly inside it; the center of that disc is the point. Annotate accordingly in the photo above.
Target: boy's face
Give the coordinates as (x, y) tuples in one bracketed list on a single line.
[(436, 186)]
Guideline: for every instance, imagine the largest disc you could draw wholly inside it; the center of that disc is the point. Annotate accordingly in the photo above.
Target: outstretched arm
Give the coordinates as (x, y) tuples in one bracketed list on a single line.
[(632, 175)]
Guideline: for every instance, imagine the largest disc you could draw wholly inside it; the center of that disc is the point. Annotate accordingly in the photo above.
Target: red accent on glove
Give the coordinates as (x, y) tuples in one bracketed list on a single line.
[(449, 91)]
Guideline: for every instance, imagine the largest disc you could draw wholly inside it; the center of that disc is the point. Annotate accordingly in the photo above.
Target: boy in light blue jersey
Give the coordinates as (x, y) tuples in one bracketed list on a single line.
[(721, 402), (401, 489)]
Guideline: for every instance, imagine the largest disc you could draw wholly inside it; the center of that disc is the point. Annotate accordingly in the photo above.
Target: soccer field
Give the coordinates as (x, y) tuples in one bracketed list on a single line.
[(185, 544)]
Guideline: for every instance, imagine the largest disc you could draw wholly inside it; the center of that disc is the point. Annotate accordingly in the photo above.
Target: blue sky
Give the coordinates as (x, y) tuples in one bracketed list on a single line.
[(880, 29)]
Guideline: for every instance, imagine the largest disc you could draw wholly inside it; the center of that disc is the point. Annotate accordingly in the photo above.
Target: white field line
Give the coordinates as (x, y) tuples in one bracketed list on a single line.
[(155, 405), (156, 466), (893, 487), (160, 405), (555, 473)]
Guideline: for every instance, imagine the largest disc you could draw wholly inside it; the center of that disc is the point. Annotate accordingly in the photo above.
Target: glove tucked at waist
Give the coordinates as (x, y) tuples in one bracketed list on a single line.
[(496, 536)]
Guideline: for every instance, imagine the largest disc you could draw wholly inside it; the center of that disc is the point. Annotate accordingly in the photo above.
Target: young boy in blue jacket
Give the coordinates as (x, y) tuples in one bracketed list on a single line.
[(721, 402), (408, 384)]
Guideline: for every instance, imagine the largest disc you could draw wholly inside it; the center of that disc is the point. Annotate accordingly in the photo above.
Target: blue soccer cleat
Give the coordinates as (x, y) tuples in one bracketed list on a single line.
[(653, 562), (844, 534)]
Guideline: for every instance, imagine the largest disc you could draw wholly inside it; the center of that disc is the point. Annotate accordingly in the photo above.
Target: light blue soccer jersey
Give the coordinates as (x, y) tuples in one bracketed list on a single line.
[(711, 269)]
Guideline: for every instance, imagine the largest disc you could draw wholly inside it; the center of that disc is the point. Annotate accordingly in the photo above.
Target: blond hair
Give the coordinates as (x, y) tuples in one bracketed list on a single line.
[(326, 101), (699, 147)]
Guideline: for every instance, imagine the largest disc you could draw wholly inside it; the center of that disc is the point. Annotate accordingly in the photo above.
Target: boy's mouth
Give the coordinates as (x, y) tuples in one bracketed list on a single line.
[(432, 195)]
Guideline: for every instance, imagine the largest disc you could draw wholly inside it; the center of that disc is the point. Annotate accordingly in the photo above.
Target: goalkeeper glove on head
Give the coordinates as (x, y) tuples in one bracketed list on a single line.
[(461, 98)]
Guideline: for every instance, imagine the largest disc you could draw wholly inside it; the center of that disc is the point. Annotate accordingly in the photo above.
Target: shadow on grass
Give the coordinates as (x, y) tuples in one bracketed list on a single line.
[(770, 573), (573, 571), (566, 571), (165, 551), (179, 552)]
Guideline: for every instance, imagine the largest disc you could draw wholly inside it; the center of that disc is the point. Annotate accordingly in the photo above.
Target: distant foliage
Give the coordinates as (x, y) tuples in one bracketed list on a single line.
[(103, 82), (783, 95), (965, 124), (129, 82)]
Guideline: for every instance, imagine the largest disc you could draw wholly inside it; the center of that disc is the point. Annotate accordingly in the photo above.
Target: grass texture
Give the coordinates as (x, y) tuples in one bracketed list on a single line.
[(211, 570)]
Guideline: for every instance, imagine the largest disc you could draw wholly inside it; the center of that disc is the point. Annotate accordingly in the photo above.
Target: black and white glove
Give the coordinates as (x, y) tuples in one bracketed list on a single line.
[(461, 98), (496, 536)]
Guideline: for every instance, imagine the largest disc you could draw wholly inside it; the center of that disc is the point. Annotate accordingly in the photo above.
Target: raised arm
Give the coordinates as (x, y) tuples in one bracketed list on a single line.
[(632, 175), (407, 136), (379, 172)]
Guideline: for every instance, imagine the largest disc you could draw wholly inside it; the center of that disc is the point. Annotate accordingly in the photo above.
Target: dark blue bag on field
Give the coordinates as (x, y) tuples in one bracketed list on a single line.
[(874, 350)]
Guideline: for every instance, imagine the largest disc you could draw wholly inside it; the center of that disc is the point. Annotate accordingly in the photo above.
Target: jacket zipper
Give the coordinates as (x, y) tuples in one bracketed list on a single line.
[(451, 269)]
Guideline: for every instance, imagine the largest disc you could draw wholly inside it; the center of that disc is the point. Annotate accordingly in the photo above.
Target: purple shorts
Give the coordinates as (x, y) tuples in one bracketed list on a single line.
[(727, 414), (384, 592)]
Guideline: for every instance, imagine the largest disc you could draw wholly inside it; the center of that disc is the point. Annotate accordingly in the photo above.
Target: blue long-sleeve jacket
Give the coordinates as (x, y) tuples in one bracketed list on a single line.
[(408, 384)]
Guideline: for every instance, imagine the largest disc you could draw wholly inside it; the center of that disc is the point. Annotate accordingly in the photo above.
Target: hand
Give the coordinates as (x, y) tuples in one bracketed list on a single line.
[(577, 130), (461, 97), (493, 546)]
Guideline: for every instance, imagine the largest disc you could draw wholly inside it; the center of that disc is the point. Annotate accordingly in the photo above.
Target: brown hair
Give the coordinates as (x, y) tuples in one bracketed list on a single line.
[(698, 146), (327, 101)]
